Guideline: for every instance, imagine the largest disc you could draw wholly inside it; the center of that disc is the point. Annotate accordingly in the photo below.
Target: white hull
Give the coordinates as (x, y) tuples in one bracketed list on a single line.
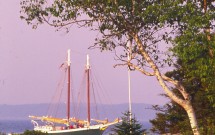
[(91, 130)]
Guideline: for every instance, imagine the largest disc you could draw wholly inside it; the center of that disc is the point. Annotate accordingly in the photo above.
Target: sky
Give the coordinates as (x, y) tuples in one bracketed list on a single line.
[(30, 60)]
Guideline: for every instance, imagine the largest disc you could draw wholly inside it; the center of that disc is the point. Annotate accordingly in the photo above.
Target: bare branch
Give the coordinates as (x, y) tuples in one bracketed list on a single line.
[(139, 69)]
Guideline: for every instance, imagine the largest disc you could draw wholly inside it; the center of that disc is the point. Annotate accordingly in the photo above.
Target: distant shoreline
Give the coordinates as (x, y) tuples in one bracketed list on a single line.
[(21, 112)]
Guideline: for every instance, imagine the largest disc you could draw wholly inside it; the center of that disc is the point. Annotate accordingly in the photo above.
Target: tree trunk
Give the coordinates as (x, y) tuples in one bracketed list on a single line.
[(185, 103), (192, 117)]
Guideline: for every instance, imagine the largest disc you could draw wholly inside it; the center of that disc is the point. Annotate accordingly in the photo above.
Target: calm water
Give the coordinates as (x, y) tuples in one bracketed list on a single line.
[(15, 126), (19, 126)]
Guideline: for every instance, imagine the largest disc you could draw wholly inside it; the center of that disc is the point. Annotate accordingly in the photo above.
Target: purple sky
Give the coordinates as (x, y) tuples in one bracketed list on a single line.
[(30, 60)]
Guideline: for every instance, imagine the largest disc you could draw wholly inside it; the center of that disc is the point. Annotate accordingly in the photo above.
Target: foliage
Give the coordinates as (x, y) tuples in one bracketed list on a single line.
[(170, 21), (171, 118), (28, 132), (196, 48), (114, 19), (129, 127)]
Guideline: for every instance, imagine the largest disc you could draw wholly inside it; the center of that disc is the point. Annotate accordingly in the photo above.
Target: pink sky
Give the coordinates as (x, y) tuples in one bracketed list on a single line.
[(29, 61)]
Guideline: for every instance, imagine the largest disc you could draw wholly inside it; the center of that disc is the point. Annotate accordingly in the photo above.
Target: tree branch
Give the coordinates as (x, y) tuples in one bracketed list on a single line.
[(159, 76)]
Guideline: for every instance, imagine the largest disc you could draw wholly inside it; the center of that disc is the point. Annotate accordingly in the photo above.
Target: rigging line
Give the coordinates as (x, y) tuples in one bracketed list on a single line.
[(72, 95), (79, 93), (101, 86), (59, 94), (51, 106), (104, 93), (96, 108), (59, 97), (78, 103), (98, 94), (56, 102)]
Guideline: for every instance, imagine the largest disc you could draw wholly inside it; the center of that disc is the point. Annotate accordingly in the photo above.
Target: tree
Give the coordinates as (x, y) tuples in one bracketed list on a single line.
[(196, 45), (170, 118), (173, 119), (28, 132), (129, 126), (147, 25)]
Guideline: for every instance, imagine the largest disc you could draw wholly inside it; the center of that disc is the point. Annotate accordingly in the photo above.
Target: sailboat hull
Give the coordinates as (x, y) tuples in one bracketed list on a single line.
[(77, 132), (91, 130)]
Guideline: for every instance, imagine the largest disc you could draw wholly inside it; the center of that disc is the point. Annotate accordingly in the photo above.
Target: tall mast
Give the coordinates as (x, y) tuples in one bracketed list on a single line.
[(68, 83), (88, 88), (129, 78)]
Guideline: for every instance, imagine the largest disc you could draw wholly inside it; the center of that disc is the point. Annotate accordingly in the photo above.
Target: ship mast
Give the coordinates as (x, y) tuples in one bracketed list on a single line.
[(129, 79), (88, 88), (68, 83)]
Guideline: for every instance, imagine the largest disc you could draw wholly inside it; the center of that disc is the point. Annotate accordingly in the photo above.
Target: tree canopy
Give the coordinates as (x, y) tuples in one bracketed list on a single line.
[(175, 22)]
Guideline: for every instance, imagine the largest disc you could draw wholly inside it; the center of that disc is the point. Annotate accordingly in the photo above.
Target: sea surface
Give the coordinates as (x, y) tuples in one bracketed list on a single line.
[(19, 126), (15, 126)]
